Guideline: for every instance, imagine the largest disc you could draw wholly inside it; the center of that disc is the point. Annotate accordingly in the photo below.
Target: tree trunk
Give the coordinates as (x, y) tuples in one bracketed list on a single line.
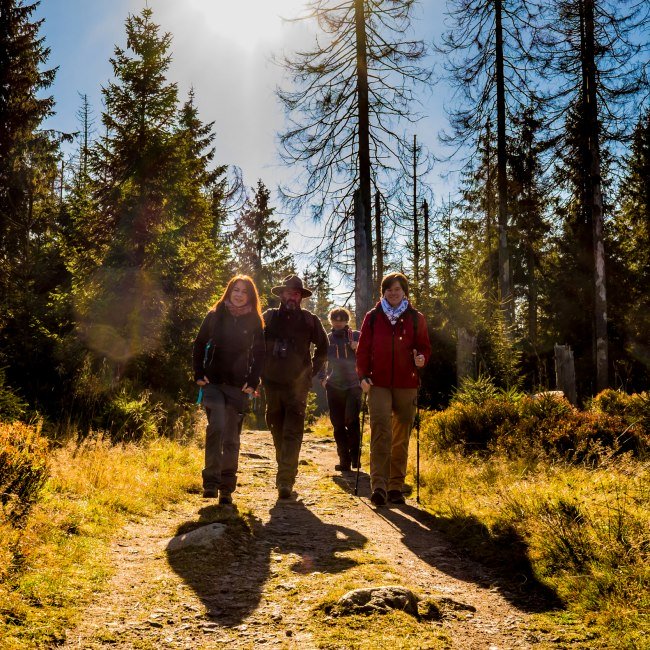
[(427, 259), (595, 194), (465, 355), (489, 212), (416, 229), (362, 212), (532, 297), (379, 242), (502, 181), (362, 272)]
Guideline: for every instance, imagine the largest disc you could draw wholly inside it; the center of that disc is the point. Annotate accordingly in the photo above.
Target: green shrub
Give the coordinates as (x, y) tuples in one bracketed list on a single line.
[(634, 409), (131, 415), (475, 391), (23, 469), (12, 407), (470, 426), (544, 425)]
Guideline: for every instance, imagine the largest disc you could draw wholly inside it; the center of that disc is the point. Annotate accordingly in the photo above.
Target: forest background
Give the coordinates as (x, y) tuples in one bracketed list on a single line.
[(118, 235)]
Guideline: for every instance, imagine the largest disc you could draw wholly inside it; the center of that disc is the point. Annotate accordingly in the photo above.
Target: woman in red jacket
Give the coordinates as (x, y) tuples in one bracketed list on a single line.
[(393, 347)]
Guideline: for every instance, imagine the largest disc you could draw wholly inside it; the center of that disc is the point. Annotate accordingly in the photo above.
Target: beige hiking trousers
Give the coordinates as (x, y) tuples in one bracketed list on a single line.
[(392, 411)]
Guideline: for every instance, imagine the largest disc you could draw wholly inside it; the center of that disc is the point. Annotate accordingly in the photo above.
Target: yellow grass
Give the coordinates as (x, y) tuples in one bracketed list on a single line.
[(61, 555), (585, 532)]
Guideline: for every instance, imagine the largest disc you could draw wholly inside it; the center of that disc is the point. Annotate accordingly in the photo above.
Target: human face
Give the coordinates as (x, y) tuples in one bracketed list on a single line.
[(338, 324), (394, 294), (291, 298), (239, 294)]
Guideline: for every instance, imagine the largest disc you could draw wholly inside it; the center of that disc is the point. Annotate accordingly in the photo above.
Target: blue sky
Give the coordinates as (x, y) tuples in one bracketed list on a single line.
[(222, 49)]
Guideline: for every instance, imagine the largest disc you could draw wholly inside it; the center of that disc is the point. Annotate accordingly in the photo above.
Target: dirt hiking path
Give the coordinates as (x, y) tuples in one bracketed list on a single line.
[(264, 582)]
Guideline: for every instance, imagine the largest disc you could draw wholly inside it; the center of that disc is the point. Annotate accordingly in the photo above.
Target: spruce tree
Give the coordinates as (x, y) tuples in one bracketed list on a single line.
[(260, 243), (630, 265), (33, 297)]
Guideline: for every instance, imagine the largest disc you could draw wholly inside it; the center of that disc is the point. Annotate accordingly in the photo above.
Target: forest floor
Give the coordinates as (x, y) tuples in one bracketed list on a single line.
[(271, 579)]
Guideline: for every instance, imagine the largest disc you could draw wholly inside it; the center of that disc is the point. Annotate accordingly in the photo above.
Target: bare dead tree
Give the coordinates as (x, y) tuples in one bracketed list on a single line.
[(350, 93)]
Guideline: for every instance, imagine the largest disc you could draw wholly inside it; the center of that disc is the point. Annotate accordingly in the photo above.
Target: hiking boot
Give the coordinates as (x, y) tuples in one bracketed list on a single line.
[(209, 493), (284, 491), (225, 498), (342, 467), (396, 496), (378, 497)]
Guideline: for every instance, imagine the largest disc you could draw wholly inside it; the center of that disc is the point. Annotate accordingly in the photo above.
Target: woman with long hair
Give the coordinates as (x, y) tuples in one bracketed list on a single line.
[(228, 356), (393, 347)]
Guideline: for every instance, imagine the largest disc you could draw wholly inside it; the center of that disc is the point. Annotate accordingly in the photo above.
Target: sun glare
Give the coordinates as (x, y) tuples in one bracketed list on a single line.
[(249, 23)]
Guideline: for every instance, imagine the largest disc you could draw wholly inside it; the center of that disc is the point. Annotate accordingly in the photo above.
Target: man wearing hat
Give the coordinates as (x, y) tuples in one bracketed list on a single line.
[(288, 370)]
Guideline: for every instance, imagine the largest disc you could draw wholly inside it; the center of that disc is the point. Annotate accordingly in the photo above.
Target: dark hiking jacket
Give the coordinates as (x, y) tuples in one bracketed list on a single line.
[(288, 335), (341, 359), (236, 353)]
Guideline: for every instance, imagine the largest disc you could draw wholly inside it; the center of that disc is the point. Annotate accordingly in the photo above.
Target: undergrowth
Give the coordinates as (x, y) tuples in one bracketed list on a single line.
[(554, 497)]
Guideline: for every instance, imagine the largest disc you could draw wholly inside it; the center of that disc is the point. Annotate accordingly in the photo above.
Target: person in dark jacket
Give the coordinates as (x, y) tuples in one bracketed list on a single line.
[(288, 371), (343, 390), (228, 357), (393, 347)]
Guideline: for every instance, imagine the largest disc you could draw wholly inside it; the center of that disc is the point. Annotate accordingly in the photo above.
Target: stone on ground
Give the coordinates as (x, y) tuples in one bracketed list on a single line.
[(378, 600), (202, 537)]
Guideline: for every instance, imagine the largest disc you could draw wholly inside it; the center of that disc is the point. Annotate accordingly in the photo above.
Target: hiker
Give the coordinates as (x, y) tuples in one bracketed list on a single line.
[(393, 347), (288, 371), (228, 356), (341, 384)]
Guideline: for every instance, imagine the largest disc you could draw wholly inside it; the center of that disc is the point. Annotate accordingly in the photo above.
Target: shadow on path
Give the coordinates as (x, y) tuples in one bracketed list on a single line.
[(230, 577), (464, 548), (294, 528)]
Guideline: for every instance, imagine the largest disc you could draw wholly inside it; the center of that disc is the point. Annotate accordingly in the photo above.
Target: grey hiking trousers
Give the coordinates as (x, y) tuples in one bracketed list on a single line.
[(222, 436)]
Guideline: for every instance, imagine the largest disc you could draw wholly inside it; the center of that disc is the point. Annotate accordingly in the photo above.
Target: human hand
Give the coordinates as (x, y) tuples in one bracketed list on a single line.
[(203, 382), (366, 384), (249, 390), (418, 359), (323, 382), (354, 345)]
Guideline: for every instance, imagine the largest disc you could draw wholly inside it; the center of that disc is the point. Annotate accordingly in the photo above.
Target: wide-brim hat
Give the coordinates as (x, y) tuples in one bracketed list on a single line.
[(291, 282)]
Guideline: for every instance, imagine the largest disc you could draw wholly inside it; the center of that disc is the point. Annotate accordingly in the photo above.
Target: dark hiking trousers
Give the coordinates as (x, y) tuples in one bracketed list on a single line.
[(345, 406), (221, 440), (285, 417)]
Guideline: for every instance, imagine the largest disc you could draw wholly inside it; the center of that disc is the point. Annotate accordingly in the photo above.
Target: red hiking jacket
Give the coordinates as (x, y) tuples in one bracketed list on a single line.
[(385, 353)]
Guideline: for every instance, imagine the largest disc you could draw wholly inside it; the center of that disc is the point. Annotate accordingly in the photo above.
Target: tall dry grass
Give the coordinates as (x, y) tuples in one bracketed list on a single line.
[(556, 498), (58, 556)]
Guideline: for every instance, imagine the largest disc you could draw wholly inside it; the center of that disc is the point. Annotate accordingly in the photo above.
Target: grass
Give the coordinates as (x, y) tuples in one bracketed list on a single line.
[(60, 557), (578, 537)]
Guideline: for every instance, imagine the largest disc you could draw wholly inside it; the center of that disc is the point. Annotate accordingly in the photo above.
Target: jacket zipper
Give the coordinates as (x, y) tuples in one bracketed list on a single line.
[(392, 360)]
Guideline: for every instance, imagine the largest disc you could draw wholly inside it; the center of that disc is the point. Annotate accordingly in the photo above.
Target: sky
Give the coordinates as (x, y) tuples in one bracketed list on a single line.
[(223, 49)]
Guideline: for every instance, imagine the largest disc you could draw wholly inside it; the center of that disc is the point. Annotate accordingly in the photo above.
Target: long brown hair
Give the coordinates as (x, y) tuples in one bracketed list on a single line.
[(253, 295)]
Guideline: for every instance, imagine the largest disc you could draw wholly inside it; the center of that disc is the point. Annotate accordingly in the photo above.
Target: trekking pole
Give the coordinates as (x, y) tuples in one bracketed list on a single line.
[(417, 447), (364, 406)]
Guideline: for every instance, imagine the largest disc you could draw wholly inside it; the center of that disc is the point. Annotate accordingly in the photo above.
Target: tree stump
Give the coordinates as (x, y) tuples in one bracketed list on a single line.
[(565, 374)]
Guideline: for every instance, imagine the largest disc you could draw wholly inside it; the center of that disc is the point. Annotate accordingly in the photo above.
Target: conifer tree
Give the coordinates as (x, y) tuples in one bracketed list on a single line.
[(320, 302), (630, 262), (33, 302), (592, 54), (485, 51), (260, 243)]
